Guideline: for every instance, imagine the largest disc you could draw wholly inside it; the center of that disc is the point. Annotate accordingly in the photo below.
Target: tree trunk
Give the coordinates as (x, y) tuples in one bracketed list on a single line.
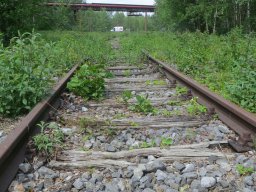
[(248, 17), (206, 25), (215, 20)]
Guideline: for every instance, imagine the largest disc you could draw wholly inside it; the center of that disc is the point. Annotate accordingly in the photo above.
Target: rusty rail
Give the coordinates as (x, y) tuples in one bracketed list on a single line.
[(239, 120), (12, 149)]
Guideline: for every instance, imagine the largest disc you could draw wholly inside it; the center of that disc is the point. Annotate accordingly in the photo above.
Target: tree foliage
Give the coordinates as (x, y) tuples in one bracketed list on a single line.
[(18, 15), (213, 16)]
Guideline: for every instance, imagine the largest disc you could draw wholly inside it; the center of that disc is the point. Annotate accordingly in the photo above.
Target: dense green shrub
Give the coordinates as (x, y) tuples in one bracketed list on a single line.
[(32, 64), (25, 75), (88, 81)]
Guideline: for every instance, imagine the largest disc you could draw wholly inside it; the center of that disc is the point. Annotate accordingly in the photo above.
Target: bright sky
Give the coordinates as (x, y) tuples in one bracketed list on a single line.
[(133, 2)]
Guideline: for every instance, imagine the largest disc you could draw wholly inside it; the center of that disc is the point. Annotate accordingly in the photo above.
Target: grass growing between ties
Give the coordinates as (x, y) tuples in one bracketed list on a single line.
[(194, 108), (88, 82), (156, 82), (181, 90), (126, 96), (165, 142), (143, 105), (242, 170), (50, 138)]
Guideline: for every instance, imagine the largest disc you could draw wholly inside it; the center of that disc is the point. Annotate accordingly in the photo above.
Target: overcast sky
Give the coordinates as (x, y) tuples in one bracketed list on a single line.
[(133, 2)]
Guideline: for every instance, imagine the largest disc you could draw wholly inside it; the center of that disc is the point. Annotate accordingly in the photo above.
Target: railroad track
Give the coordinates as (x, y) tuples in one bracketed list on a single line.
[(176, 145)]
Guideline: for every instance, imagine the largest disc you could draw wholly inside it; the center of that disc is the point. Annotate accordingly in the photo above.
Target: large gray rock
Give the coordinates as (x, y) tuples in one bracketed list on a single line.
[(39, 186), (102, 138), (128, 173), (111, 187), (120, 184), (171, 183), (248, 190), (38, 164), (249, 163), (223, 129), (25, 167), (202, 171), (88, 145), (97, 176), (138, 173), (225, 167), (151, 158), (45, 172), (207, 182), (241, 159), (189, 168), (148, 190), (110, 148), (117, 174), (30, 176), (86, 175), (248, 180), (21, 178), (78, 184), (89, 186), (224, 184), (158, 141), (171, 190), (178, 166), (29, 185), (190, 175), (67, 131), (160, 175), (130, 141), (117, 144), (48, 183), (152, 166), (195, 184), (146, 181)]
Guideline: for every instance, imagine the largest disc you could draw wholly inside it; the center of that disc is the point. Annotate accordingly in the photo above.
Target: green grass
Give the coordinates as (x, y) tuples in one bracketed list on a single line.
[(226, 63)]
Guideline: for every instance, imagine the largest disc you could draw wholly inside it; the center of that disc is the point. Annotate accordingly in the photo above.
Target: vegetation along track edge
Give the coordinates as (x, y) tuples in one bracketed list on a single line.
[(13, 148), (241, 121), (12, 151)]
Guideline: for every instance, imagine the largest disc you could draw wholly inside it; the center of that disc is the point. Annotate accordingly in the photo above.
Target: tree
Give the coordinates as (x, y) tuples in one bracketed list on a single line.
[(213, 16), (18, 15)]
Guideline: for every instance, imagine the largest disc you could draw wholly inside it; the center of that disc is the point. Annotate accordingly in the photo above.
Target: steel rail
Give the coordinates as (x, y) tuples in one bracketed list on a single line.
[(239, 120), (12, 149)]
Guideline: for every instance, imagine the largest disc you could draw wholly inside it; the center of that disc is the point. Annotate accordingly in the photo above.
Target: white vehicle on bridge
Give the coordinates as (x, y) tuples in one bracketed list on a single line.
[(118, 29)]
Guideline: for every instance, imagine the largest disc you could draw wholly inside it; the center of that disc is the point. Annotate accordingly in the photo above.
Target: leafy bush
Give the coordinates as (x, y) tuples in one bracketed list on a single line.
[(195, 108), (126, 96), (49, 139), (32, 64), (143, 105), (244, 170), (165, 142), (88, 81), (25, 76)]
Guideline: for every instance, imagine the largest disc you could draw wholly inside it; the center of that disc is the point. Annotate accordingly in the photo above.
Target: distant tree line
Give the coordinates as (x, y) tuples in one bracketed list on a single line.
[(213, 16), (28, 14)]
